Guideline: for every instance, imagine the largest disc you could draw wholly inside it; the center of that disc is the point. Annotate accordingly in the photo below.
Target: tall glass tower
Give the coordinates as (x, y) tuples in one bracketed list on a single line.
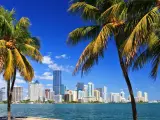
[(57, 80)]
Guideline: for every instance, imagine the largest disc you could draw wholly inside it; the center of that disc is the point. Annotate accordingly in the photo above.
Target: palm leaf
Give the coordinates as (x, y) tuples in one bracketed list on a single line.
[(142, 29), (87, 11), (9, 66), (83, 33)]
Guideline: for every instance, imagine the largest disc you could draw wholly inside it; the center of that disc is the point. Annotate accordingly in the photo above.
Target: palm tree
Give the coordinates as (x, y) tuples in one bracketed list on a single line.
[(15, 44), (108, 18), (129, 22)]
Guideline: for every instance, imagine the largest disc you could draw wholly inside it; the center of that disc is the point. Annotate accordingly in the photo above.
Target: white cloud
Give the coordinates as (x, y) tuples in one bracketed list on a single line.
[(49, 85), (19, 81), (45, 76), (63, 56), (47, 60), (54, 66)]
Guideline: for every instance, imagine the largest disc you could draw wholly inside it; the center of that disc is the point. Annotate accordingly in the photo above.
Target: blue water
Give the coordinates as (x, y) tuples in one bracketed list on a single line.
[(85, 111)]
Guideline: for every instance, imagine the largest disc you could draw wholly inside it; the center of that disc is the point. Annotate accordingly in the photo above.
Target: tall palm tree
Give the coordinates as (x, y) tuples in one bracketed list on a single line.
[(129, 22), (108, 21), (16, 43)]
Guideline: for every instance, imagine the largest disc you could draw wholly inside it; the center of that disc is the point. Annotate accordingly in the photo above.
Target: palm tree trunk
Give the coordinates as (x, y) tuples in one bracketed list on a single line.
[(9, 93), (8, 100), (125, 73)]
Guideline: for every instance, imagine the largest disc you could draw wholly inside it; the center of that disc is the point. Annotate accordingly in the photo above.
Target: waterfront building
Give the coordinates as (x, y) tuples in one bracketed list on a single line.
[(35, 91), (74, 93), (90, 89), (122, 94), (62, 89), (52, 95), (85, 90), (47, 94), (17, 94), (80, 86), (97, 95), (104, 94), (69, 96), (101, 91), (139, 94), (57, 80), (145, 97), (80, 95), (57, 98), (115, 97), (2, 94)]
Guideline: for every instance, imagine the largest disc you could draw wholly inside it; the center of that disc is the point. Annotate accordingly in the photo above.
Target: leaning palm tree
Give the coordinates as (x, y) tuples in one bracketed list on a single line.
[(15, 44), (108, 21)]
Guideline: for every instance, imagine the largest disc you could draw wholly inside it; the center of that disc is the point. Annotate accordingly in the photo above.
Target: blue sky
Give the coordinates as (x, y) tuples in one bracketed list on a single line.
[(51, 23)]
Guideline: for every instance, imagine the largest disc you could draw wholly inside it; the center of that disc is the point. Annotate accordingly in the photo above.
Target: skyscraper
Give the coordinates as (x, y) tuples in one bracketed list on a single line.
[(2, 94), (57, 80), (101, 91), (47, 94), (80, 86), (17, 94), (115, 97), (35, 90), (122, 94), (85, 90), (139, 94), (90, 89), (104, 94), (145, 97), (97, 95)]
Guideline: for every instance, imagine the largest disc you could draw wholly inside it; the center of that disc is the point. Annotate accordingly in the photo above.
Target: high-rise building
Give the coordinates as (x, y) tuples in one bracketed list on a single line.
[(122, 94), (47, 94), (101, 91), (85, 90), (97, 95), (57, 98), (69, 96), (139, 94), (57, 81), (62, 89), (80, 95), (104, 94), (90, 89), (80, 86), (145, 97), (35, 91), (74, 93), (17, 94), (2, 94), (115, 98)]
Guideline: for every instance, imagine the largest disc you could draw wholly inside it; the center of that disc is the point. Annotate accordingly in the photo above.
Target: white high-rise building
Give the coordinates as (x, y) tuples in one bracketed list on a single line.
[(36, 91), (139, 94), (115, 97), (74, 93), (104, 94), (2, 94), (57, 98), (145, 97), (80, 95), (122, 94), (97, 95), (85, 90), (17, 94), (90, 89)]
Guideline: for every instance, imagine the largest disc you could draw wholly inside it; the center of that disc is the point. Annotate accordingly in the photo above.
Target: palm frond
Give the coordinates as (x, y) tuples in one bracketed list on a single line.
[(30, 72), (142, 29), (24, 23), (102, 39), (19, 63), (113, 13), (31, 52), (9, 66), (83, 33), (87, 11)]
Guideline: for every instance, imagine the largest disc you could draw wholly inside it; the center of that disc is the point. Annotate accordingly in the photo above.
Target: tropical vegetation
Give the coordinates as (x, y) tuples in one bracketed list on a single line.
[(16, 45), (130, 23)]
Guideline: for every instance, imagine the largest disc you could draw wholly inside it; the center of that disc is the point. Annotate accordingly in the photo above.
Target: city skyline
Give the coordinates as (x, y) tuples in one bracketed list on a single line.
[(58, 56)]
